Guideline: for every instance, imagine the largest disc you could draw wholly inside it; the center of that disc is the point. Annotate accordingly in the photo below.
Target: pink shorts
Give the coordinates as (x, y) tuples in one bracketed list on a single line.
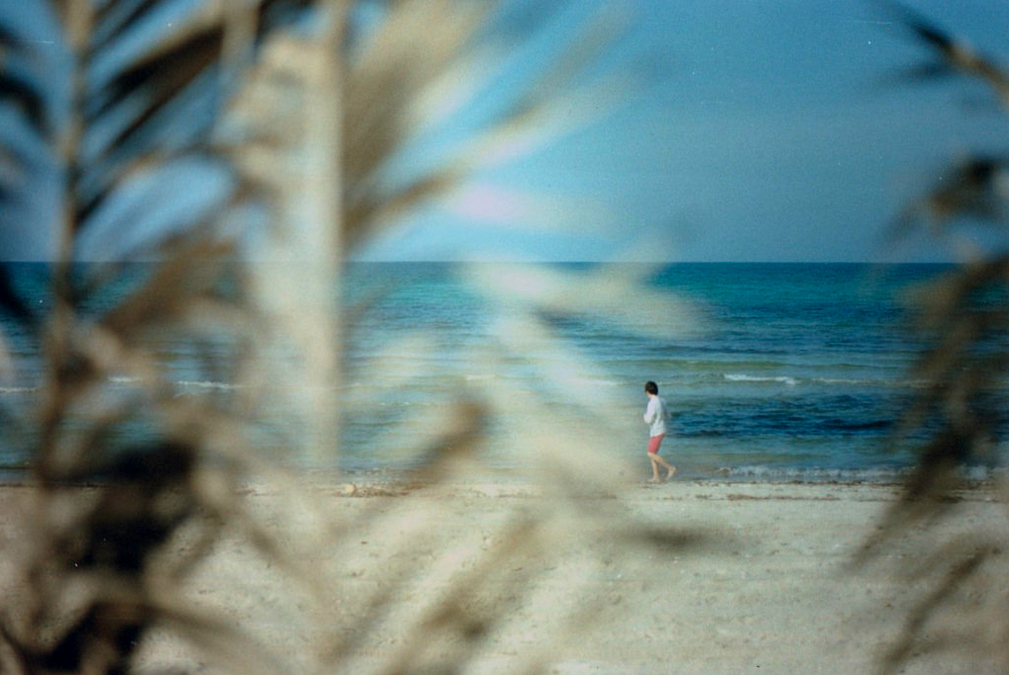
[(654, 442)]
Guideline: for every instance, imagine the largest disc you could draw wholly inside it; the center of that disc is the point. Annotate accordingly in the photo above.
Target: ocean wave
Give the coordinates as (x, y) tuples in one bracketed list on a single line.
[(19, 390), (792, 380), (777, 379), (812, 474), (185, 384), (207, 384), (848, 381), (761, 474), (193, 387)]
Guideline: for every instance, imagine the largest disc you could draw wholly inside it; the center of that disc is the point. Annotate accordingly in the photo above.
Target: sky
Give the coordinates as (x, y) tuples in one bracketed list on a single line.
[(755, 130), (771, 130)]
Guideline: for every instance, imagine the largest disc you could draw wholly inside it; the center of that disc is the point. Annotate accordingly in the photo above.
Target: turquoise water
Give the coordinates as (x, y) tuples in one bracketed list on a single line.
[(799, 373)]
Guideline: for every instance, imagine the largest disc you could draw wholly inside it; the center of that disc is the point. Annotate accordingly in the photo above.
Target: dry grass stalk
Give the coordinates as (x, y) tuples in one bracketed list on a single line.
[(959, 411), (121, 538)]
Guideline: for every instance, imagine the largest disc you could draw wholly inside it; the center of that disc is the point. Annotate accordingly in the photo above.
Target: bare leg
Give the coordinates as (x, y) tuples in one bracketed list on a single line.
[(655, 467), (658, 461)]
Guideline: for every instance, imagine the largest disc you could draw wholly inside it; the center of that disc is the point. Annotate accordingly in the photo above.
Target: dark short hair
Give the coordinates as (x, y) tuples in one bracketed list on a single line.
[(651, 387)]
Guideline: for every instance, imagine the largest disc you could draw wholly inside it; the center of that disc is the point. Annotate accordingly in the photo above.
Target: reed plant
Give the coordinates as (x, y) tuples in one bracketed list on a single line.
[(245, 150), (955, 575)]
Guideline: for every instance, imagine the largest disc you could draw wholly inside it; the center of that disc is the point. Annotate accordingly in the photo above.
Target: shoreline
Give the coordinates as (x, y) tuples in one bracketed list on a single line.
[(968, 477), (405, 480)]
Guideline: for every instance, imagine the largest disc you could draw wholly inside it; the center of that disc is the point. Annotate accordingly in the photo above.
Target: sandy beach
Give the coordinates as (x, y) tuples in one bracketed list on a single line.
[(684, 577)]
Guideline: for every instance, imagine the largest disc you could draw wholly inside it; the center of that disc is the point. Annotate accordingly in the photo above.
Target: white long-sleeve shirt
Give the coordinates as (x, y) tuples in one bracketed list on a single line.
[(655, 415)]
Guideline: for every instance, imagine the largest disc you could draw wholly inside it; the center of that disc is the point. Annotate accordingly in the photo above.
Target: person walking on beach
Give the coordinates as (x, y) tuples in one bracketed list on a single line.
[(655, 416)]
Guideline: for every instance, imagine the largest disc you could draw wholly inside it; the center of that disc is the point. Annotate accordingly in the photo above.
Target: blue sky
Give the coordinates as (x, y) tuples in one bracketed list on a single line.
[(774, 130), (765, 130)]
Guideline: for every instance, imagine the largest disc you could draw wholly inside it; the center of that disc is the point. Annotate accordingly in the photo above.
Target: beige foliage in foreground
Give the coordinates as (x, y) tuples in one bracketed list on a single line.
[(116, 539)]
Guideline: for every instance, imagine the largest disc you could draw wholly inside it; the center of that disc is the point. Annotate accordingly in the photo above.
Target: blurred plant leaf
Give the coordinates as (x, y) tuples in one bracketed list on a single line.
[(957, 416), (306, 107), (954, 54)]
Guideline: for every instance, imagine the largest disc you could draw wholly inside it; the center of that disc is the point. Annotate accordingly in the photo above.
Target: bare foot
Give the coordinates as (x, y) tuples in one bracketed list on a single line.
[(654, 480), (672, 471)]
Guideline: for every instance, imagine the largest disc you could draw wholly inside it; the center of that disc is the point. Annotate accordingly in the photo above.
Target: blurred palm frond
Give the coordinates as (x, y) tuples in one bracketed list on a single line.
[(954, 55), (247, 149), (957, 418)]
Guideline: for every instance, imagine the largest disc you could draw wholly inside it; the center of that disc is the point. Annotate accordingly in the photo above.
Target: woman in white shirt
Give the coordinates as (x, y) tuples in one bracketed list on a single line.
[(655, 416)]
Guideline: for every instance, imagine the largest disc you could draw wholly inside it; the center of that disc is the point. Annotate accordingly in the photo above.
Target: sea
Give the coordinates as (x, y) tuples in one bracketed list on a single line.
[(795, 372)]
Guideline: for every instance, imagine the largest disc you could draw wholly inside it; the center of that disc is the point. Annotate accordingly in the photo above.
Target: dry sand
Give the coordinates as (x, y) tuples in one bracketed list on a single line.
[(737, 578)]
